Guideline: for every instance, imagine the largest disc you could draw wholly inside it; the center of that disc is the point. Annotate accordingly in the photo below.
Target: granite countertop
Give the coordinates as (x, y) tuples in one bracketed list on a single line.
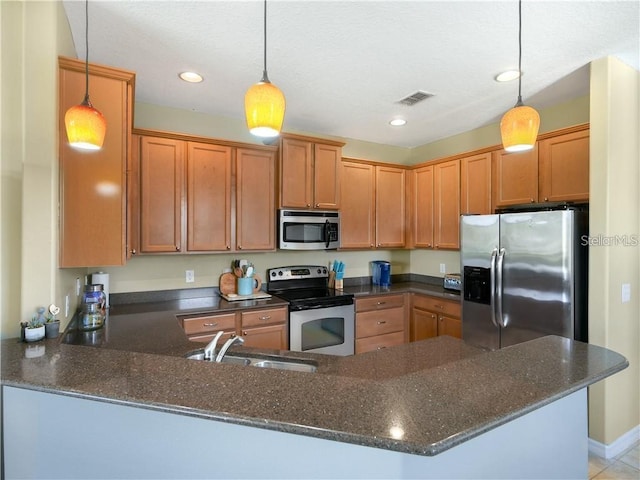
[(438, 392)]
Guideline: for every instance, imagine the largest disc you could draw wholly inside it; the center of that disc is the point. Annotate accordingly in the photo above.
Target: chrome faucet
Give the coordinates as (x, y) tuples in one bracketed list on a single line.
[(210, 349), (226, 346)]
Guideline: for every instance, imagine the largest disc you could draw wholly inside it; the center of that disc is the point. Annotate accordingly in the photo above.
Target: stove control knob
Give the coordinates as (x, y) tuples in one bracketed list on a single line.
[(280, 273), (324, 270), (319, 272), (273, 273)]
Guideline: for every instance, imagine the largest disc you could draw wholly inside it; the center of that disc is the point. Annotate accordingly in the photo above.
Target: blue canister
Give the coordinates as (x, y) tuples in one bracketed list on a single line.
[(94, 294), (381, 273)]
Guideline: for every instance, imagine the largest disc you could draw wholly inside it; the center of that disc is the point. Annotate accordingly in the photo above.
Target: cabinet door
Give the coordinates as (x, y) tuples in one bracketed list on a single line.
[(161, 177), (93, 184), (133, 198), (296, 173), (357, 218), (255, 200), (564, 167), (423, 207), (326, 176), (272, 336), (447, 204), (390, 207), (475, 189), (424, 324), (514, 177), (449, 326), (208, 197)]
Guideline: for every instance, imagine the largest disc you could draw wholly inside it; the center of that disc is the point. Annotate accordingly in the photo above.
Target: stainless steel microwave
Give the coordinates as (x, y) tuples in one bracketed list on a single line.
[(308, 229)]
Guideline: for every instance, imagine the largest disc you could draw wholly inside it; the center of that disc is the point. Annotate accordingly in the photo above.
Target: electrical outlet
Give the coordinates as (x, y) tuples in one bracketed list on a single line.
[(626, 292), (190, 276), (443, 268), (66, 306)]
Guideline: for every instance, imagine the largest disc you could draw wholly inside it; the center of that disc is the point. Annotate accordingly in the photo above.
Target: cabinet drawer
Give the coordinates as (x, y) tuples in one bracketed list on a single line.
[(436, 304), (208, 337), (379, 342), (379, 302), (209, 323), (258, 318), (389, 320)]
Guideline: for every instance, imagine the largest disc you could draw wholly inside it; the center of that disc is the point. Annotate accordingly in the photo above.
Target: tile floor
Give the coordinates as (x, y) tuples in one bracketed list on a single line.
[(624, 466)]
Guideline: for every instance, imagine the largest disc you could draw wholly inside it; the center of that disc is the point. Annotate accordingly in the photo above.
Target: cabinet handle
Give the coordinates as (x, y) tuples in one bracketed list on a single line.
[(381, 347), (371, 245), (382, 322), (380, 303), (532, 200), (266, 317), (133, 252), (209, 324), (546, 199), (245, 333), (308, 204), (239, 247), (228, 247), (317, 205), (177, 248), (428, 244), (438, 306)]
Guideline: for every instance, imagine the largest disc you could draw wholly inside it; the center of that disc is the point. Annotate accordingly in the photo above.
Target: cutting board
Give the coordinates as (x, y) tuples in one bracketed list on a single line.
[(228, 284), (253, 296)]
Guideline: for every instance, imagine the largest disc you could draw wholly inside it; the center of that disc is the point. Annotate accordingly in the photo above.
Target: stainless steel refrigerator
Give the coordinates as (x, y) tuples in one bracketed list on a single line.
[(524, 275)]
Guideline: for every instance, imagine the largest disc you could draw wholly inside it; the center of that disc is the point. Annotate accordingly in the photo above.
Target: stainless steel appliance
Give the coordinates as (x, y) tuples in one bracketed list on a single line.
[(321, 319), (524, 275), (452, 281), (308, 230)]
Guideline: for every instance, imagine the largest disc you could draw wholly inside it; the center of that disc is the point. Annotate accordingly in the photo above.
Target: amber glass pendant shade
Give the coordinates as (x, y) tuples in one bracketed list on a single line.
[(519, 128), (264, 106), (85, 126)]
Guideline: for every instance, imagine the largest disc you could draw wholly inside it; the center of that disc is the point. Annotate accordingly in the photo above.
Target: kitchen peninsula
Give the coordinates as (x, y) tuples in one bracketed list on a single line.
[(133, 406)]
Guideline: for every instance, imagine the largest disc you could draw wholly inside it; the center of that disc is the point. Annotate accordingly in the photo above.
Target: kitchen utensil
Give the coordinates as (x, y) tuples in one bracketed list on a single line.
[(238, 271), (249, 271), (227, 283)]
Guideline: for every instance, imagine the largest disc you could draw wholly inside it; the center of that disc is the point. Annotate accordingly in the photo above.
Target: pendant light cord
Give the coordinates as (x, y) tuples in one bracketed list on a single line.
[(86, 42), (519, 102), (265, 78)]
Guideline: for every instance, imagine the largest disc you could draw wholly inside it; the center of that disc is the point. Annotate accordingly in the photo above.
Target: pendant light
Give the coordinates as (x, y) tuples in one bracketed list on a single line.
[(85, 125), (519, 126), (264, 103)]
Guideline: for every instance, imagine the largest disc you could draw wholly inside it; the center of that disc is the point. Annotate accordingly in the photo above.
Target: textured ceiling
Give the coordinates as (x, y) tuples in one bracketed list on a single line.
[(344, 65)]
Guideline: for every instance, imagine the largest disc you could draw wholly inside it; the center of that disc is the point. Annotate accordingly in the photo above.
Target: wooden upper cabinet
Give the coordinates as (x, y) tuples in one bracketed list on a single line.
[(422, 206), (326, 176), (446, 204), (161, 194), (515, 177), (475, 184), (255, 199), (93, 184), (357, 216), (208, 197), (564, 167), (390, 207), (309, 173)]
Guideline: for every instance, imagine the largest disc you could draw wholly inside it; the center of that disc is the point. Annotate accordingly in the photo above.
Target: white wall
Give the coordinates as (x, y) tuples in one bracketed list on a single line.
[(615, 210)]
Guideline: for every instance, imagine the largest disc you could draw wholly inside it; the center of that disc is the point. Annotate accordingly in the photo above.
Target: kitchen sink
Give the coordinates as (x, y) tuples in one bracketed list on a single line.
[(281, 363)]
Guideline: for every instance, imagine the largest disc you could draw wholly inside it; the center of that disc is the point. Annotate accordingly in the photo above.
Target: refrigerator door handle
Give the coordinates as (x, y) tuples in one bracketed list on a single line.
[(499, 266), (492, 286)]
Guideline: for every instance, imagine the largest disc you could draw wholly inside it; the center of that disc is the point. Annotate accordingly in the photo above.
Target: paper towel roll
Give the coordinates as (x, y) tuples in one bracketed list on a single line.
[(101, 278)]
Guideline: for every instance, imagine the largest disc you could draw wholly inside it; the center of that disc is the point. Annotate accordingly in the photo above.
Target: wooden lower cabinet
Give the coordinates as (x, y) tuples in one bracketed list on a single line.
[(264, 328), (433, 316), (380, 322)]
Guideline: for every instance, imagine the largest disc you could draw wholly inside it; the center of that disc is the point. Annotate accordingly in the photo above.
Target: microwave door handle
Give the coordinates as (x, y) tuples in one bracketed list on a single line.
[(492, 286), (327, 235)]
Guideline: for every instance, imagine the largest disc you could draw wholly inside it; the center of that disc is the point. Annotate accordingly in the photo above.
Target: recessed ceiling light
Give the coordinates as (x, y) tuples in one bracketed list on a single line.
[(507, 76), (191, 77), (398, 122)]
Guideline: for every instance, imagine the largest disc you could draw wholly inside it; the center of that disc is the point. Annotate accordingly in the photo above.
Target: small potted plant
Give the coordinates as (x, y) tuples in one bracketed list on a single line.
[(52, 325), (34, 330)]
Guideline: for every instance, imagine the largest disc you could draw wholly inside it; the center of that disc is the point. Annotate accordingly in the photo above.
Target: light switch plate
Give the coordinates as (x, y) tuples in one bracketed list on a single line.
[(443, 268), (626, 292)]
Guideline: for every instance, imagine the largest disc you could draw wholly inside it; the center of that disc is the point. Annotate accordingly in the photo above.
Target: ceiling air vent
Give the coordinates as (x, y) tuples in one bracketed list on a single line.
[(414, 98)]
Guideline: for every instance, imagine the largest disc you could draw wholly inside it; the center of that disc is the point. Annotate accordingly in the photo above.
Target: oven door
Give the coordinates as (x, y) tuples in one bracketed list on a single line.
[(328, 330)]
